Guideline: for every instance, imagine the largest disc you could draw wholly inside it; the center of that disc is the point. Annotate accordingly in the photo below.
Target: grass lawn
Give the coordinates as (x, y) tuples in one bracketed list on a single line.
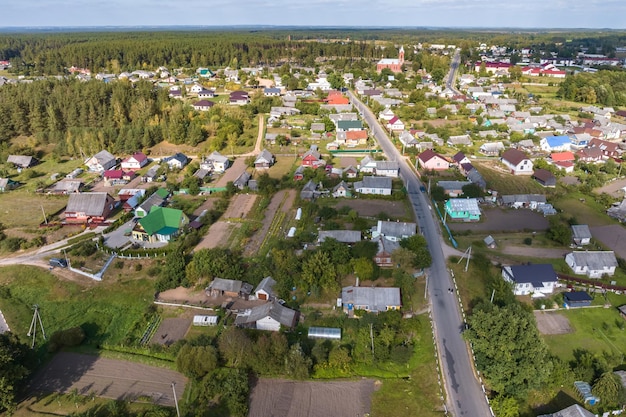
[(282, 166), (471, 284), (110, 312), (505, 183), (595, 329), (588, 211), (22, 208), (418, 394)]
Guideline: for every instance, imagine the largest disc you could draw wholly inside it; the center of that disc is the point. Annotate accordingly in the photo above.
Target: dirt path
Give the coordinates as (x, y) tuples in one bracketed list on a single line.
[(259, 138), (232, 173), (217, 235)]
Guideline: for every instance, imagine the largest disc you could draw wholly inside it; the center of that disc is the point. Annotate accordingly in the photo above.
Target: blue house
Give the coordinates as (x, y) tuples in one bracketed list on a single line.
[(465, 209), (555, 144)]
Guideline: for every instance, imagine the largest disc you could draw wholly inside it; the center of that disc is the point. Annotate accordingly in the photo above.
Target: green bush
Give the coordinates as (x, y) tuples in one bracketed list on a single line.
[(528, 241), (66, 338)]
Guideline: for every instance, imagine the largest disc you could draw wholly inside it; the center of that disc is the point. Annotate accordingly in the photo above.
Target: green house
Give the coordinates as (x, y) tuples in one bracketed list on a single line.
[(465, 209), (160, 225)]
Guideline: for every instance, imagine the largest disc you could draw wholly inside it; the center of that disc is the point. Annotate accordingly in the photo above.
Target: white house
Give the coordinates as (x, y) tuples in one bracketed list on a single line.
[(517, 162), (374, 185), (395, 124), (594, 264), (532, 279), (581, 234), (215, 162), (265, 289), (101, 161), (386, 114), (134, 162), (177, 161), (196, 88), (269, 316)]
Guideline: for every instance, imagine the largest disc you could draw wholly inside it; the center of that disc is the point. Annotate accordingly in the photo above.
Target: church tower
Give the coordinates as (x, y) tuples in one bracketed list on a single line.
[(401, 55)]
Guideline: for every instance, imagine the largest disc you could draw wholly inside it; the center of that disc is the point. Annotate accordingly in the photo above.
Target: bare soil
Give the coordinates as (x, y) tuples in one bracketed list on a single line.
[(372, 208), (109, 378), (549, 322), (240, 206), (217, 235), (346, 161), (536, 252), (503, 220), (275, 397), (171, 330), (613, 236), (614, 188), (232, 173)]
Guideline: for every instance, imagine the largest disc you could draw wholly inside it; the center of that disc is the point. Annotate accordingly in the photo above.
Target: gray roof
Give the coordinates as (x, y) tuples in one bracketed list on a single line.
[(531, 273), (387, 165), (453, 185), (217, 157), (523, 198), (266, 284), (581, 231), (571, 411), (343, 236), (104, 157), (265, 155), (230, 285), (67, 186), (375, 298), (201, 173), (373, 182), (153, 200), (23, 161), (92, 204), (595, 260), (152, 171), (469, 205), (397, 229), (475, 177), (284, 315), (242, 180)]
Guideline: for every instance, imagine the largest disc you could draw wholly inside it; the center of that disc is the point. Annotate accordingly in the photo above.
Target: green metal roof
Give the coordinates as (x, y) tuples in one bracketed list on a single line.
[(161, 218), (162, 192)]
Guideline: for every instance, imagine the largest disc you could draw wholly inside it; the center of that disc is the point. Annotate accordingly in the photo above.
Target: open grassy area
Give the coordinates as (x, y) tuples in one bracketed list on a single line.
[(22, 208), (584, 208), (109, 312), (498, 179), (596, 329), (418, 394), (282, 166)]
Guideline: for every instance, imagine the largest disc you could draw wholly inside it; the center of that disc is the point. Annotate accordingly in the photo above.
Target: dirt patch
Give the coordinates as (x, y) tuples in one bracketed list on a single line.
[(346, 161), (182, 295), (552, 323), (240, 206), (217, 235), (232, 173), (372, 208), (502, 220), (535, 252), (170, 331), (613, 236), (207, 205), (271, 397), (614, 188), (108, 378)]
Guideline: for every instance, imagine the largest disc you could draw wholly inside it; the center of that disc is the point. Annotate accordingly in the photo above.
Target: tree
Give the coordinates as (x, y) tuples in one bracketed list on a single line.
[(319, 272), (196, 361), (297, 364), (418, 245), (472, 190), (235, 347), (14, 357), (559, 231), (610, 390), (505, 406), (173, 272), (363, 268), (508, 349)]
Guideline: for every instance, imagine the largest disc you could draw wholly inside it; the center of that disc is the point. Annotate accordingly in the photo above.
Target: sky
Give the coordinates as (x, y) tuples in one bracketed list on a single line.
[(592, 14)]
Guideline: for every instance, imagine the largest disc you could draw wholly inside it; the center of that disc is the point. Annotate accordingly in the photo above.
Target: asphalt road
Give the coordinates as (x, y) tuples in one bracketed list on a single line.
[(464, 393)]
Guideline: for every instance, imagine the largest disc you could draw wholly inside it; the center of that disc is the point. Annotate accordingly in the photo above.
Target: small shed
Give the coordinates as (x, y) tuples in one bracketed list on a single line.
[(576, 299), (581, 234), (205, 320), (490, 242), (622, 311), (332, 333)]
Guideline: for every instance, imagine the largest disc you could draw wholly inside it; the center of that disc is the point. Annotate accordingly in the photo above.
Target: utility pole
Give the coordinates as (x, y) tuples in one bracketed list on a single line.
[(372, 337), (45, 219), (32, 331), (175, 399)]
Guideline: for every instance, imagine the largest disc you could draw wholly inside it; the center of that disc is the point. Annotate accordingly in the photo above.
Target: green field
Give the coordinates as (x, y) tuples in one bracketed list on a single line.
[(283, 166), (506, 183), (108, 312), (595, 329), (586, 209)]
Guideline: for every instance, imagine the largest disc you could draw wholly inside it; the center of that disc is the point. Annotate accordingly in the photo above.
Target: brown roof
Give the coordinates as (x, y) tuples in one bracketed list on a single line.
[(429, 154), (606, 146), (513, 156), (543, 175)]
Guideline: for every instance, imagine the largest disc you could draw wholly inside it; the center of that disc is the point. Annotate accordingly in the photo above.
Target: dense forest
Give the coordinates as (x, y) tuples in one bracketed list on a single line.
[(84, 118), (604, 87)]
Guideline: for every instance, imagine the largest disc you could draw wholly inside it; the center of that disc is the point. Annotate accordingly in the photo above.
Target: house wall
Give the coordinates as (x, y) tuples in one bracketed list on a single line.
[(436, 164), (268, 323), (377, 191)]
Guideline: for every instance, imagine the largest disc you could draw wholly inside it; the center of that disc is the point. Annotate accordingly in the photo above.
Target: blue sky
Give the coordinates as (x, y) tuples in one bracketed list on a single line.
[(437, 13)]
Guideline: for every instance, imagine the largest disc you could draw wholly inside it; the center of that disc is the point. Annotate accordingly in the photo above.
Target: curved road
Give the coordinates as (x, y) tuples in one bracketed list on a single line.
[(464, 393)]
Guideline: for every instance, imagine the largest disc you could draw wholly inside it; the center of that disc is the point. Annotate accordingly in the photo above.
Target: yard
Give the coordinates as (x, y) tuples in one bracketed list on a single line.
[(498, 178), (595, 329), (503, 220), (374, 208), (585, 209), (283, 166)]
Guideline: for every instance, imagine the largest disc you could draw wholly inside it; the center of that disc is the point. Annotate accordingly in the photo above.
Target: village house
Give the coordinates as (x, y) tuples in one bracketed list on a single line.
[(517, 162), (459, 140), (239, 98), (158, 198), (528, 201), (215, 162), (177, 161), (536, 280), (160, 225), (342, 189), (459, 159), (7, 184), (88, 208), (608, 149), (408, 140), (344, 236), (491, 148), (544, 177), (581, 235), (594, 264), (204, 94), (271, 92), (555, 144), (264, 160), (350, 172), (374, 185), (265, 289), (395, 124), (22, 161), (242, 180), (465, 209), (370, 299), (453, 188), (231, 288), (101, 161), (309, 191), (113, 177), (203, 105), (429, 160), (134, 162), (312, 158), (269, 316)]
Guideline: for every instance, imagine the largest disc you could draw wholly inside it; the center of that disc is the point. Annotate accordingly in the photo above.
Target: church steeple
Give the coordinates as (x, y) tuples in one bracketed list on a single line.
[(401, 55)]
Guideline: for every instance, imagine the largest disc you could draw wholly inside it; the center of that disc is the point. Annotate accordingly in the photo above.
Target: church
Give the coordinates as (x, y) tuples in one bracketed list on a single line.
[(395, 65)]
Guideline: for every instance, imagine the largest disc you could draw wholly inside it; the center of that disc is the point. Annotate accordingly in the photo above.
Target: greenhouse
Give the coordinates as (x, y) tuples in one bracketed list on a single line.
[(332, 333)]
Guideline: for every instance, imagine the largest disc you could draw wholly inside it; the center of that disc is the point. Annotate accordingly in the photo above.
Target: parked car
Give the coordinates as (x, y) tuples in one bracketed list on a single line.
[(58, 262)]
